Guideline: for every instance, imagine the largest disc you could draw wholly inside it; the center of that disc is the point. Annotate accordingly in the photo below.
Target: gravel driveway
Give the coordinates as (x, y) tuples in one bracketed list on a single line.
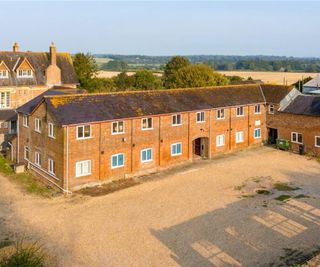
[(204, 214)]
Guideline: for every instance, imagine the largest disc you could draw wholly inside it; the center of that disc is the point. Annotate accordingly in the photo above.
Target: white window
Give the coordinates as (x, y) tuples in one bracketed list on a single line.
[(25, 120), (240, 137), (83, 168), (26, 153), (5, 100), (220, 114), (4, 125), (25, 74), (176, 120), (146, 124), (296, 138), (3, 74), (240, 111), (220, 140), (37, 125), (146, 155), (117, 160), (257, 133), (257, 109), (200, 117), (317, 141), (176, 149), (37, 158), (271, 109), (51, 166), (118, 127), (83, 132), (51, 132)]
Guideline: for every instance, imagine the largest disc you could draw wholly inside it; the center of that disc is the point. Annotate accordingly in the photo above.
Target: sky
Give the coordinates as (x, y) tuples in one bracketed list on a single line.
[(164, 28)]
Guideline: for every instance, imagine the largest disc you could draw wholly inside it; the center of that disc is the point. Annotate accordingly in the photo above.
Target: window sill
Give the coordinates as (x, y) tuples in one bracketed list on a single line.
[(83, 175), (146, 129), (117, 167), (175, 155), (84, 138), (117, 133)]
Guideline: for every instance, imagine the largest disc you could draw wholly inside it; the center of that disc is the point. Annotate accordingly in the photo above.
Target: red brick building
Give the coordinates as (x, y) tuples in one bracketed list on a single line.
[(25, 75), (77, 139), (298, 121)]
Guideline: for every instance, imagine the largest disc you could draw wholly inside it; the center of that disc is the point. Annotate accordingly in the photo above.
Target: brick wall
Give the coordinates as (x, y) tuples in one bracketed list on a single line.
[(102, 144), (308, 126)]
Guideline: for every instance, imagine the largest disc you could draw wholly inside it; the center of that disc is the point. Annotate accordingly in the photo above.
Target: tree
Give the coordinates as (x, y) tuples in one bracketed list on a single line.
[(198, 75), (171, 68), (86, 69), (117, 65), (123, 81), (146, 80)]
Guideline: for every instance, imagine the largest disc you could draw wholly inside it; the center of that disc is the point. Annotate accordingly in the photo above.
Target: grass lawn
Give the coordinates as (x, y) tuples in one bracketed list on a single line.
[(25, 180)]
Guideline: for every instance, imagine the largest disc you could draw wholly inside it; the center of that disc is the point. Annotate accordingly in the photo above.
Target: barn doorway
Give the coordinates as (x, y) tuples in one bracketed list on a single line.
[(201, 147), (272, 136)]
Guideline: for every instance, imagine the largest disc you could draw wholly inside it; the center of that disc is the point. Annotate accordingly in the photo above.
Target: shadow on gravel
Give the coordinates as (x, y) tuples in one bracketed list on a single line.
[(248, 233)]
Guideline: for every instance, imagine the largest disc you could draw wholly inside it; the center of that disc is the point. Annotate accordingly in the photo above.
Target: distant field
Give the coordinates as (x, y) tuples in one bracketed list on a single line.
[(267, 77), (271, 77), (110, 74)]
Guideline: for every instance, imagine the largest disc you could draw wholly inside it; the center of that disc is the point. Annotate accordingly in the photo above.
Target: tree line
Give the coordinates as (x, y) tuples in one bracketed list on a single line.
[(179, 72)]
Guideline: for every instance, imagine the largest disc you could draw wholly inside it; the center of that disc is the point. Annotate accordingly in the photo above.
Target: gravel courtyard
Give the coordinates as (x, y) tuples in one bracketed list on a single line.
[(258, 207)]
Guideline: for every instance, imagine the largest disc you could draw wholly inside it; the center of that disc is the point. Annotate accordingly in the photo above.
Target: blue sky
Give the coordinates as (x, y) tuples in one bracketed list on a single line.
[(164, 28)]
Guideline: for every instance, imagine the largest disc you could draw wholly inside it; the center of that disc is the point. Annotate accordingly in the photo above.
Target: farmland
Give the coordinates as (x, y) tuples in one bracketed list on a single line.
[(265, 76)]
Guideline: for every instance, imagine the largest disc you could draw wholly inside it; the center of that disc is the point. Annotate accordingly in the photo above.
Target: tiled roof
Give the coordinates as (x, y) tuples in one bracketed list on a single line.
[(28, 107), (39, 61), (275, 93), (7, 114), (304, 105), (75, 109), (315, 82)]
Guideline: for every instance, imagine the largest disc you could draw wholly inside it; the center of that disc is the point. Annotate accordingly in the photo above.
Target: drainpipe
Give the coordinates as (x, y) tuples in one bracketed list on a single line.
[(67, 160), (11, 150), (18, 143)]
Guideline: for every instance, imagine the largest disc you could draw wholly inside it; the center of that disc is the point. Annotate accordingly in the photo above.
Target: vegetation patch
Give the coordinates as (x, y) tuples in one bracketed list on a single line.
[(301, 196), (24, 254), (25, 180), (283, 197), (108, 188), (263, 192), (284, 187)]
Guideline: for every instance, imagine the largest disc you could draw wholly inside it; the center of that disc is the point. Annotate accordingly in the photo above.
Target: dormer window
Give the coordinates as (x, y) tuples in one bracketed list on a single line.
[(25, 73), (4, 74)]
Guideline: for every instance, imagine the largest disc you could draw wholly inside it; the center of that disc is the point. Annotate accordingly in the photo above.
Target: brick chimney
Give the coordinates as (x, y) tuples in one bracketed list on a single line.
[(53, 54), (16, 47), (53, 72)]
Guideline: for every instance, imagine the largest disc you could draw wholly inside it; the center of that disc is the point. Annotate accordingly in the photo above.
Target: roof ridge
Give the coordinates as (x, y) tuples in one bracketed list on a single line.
[(173, 90)]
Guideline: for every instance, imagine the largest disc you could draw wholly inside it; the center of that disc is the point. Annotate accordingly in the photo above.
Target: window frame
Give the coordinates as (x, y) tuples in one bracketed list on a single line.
[(218, 138), (26, 120), (176, 116), (147, 119), (84, 137), (117, 123), (51, 164), (146, 150), (117, 166), (297, 138), (237, 140), (37, 158), (6, 76), (254, 133), (269, 109), (315, 141), (204, 117), (171, 150), (51, 135), (240, 108), (90, 168), (26, 148), (259, 109), (25, 73), (219, 117), (37, 125), (5, 100)]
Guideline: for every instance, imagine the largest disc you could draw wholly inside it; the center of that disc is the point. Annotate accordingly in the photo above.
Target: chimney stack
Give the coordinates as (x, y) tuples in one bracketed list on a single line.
[(53, 54), (16, 47)]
